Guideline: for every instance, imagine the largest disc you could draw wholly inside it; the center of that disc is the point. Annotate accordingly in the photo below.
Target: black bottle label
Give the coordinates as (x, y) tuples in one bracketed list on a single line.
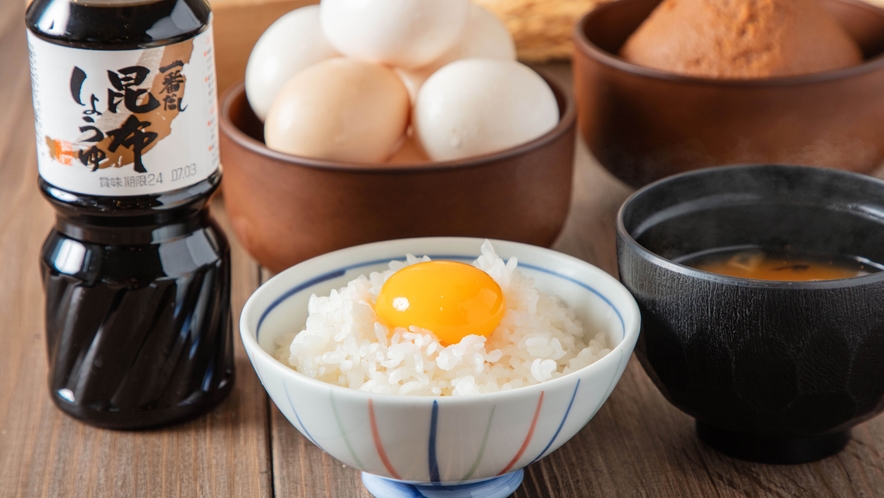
[(125, 122)]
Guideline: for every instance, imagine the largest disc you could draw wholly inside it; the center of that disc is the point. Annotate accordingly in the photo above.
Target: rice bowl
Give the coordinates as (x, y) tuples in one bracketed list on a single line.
[(424, 441), (344, 342)]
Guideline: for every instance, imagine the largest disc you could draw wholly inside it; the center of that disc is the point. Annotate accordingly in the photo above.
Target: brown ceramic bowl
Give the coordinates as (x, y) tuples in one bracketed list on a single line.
[(644, 124), (285, 209)]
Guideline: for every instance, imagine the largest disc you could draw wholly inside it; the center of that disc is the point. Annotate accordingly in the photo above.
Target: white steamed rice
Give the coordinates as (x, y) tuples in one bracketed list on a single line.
[(343, 343)]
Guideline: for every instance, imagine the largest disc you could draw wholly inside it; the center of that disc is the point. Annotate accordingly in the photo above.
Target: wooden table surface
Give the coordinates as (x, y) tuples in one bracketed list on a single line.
[(637, 445)]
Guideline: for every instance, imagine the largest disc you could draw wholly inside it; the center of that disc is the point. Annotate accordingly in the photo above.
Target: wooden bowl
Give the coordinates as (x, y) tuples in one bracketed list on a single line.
[(285, 209), (644, 124), (773, 371)]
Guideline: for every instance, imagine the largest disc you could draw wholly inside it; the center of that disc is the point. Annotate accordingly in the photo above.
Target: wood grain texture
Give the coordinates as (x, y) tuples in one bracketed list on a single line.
[(636, 446)]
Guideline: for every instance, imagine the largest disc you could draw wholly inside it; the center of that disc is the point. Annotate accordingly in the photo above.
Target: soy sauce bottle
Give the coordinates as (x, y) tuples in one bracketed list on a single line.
[(136, 272)]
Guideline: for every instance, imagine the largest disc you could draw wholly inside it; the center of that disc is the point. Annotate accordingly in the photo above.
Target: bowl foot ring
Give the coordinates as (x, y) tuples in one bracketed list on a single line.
[(496, 487), (772, 449)]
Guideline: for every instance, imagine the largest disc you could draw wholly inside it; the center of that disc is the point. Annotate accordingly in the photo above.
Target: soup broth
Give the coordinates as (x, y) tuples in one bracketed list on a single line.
[(780, 264)]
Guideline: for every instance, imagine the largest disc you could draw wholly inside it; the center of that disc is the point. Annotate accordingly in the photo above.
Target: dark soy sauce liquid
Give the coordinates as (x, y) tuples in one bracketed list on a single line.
[(786, 265), (138, 325)]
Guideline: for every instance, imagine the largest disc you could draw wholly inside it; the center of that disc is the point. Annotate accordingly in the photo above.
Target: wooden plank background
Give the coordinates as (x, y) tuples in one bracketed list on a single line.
[(637, 445)]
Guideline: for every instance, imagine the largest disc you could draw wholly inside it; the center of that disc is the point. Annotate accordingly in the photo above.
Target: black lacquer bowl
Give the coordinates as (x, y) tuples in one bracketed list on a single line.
[(774, 372)]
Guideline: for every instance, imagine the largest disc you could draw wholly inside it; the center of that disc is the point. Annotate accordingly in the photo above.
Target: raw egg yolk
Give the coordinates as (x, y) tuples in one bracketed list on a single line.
[(453, 300)]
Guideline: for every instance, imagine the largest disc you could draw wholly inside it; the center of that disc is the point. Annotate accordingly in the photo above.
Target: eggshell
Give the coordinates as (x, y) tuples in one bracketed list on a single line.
[(291, 44), (409, 152), (485, 36), (341, 109), (479, 106), (404, 33), (413, 79)]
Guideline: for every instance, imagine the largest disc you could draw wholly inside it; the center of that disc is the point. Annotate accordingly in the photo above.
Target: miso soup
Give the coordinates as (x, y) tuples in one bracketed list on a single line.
[(780, 264)]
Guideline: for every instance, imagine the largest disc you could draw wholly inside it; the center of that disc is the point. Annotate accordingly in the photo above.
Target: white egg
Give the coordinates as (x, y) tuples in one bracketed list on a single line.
[(485, 36), (479, 106), (404, 33), (341, 109), (292, 43)]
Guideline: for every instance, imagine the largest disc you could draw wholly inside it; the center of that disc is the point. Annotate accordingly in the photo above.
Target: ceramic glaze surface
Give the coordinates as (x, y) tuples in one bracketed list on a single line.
[(781, 360), (442, 440), (497, 487)]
